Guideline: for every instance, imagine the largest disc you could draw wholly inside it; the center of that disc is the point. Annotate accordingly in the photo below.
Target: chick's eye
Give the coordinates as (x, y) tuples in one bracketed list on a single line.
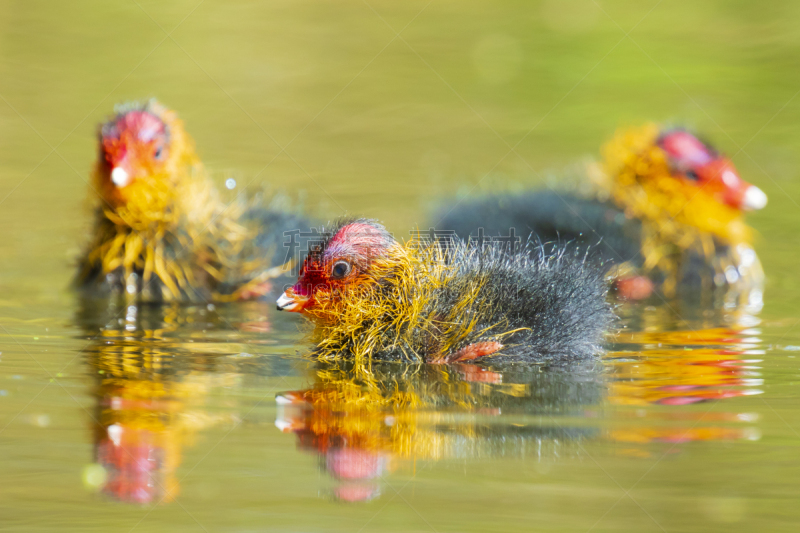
[(692, 175), (340, 269), (159, 153)]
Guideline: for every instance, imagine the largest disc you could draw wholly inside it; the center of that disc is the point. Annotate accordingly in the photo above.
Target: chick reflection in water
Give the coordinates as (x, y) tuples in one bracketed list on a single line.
[(364, 424), (149, 403), (678, 368)]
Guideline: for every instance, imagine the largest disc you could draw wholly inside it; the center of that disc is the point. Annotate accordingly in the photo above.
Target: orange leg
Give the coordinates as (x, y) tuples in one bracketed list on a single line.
[(634, 288), (473, 351), (255, 291)]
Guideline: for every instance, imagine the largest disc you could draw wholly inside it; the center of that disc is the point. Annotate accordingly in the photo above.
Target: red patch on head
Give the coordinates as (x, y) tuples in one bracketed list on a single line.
[(686, 148), (703, 166), (144, 125), (359, 235), (133, 136), (355, 244)]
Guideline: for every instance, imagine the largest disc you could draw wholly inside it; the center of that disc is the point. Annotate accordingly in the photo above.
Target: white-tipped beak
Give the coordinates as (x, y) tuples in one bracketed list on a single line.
[(286, 304), (283, 425), (114, 433), (289, 398), (120, 177), (754, 199), (280, 399)]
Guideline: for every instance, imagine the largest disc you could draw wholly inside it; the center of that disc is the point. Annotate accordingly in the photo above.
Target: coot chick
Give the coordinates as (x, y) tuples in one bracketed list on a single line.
[(664, 208), (162, 232), (374, 298)]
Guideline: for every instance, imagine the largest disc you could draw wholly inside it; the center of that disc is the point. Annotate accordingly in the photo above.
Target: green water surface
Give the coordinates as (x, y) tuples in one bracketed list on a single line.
[(166, 418)]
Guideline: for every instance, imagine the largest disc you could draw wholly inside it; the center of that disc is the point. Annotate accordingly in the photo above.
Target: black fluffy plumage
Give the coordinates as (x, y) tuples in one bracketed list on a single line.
[(554, 299), (454, 301), (546, 216), (599, 228)]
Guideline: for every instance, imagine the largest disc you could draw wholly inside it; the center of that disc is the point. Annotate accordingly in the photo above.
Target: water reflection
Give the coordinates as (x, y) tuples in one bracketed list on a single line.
[(154, 369), (679, 368), (364, 424), (151, 394), (142, 426), (685, 367)]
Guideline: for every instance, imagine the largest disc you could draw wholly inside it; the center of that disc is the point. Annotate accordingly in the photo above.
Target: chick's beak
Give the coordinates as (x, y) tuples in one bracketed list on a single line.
[(120, 177), (754, 199), (736, 192), (288, 302)]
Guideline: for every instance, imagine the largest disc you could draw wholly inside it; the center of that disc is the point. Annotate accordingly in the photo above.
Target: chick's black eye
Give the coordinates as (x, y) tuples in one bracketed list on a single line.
[(692, 175), (340, 269), (159, 152)]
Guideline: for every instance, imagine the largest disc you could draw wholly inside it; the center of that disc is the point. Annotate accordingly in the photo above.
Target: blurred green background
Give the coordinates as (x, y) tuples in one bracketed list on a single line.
[(384, 108)]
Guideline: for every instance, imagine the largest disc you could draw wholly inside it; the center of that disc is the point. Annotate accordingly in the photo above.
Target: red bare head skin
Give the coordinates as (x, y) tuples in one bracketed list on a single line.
[(695, 161), (133, 145), (341, 260)]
